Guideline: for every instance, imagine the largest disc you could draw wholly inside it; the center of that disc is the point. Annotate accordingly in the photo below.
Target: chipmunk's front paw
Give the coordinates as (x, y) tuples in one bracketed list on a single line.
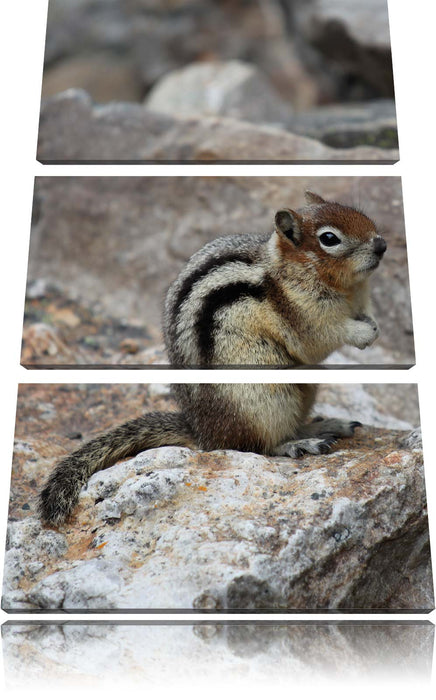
[(362, 332), (371, 322)]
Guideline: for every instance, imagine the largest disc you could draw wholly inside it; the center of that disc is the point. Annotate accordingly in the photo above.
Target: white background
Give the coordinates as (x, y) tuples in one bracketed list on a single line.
[(413, 44)]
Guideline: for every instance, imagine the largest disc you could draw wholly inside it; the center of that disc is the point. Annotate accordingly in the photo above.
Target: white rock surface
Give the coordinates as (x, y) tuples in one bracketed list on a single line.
[(175, 529), (233, 89)]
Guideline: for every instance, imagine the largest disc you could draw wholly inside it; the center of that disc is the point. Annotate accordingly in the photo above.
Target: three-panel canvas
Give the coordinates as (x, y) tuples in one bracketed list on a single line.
[(175, 492)]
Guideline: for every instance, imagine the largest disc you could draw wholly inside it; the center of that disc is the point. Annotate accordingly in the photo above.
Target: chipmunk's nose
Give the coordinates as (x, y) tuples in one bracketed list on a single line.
[(379, 246)]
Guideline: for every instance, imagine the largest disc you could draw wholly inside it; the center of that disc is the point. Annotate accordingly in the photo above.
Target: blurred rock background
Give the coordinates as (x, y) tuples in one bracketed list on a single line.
[(103, 251), (319, 68)]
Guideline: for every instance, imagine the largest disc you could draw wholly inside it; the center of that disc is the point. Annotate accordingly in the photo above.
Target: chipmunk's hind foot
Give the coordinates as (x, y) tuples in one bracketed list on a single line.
[(317, 437), (311, 445)]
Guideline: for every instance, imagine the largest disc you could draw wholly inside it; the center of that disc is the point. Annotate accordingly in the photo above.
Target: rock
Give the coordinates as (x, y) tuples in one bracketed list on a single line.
[(381, 405), (155, 38), (231, 89), (52, 417), (413, 440), (174, 529), (367, 25), (36, 289), (72, 130), (152, 225), (75, 26), (44, 342), (104, 76), (186, 58), (373, 123), (22, 540), (240, 91), (129, 346), (169, 653), (73, 333), (158, 390), (149, 357), (170, 36), (353, 37), (312, 51)]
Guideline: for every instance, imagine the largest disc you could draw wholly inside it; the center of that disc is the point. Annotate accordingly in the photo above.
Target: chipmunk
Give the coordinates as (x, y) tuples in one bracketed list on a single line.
[(287, 298)]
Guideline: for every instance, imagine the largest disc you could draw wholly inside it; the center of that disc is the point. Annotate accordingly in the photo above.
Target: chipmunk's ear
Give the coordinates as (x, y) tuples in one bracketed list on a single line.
[(288, 224), (312, 198)]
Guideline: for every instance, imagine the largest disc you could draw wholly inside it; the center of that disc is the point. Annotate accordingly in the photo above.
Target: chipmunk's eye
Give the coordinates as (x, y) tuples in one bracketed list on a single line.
[(329, 239)]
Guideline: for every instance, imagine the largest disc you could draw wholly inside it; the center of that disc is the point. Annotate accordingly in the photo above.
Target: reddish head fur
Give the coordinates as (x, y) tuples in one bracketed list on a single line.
[(338, 272)]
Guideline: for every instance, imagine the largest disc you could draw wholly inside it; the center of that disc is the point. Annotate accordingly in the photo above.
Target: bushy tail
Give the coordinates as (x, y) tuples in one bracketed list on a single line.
[(61, 492)]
